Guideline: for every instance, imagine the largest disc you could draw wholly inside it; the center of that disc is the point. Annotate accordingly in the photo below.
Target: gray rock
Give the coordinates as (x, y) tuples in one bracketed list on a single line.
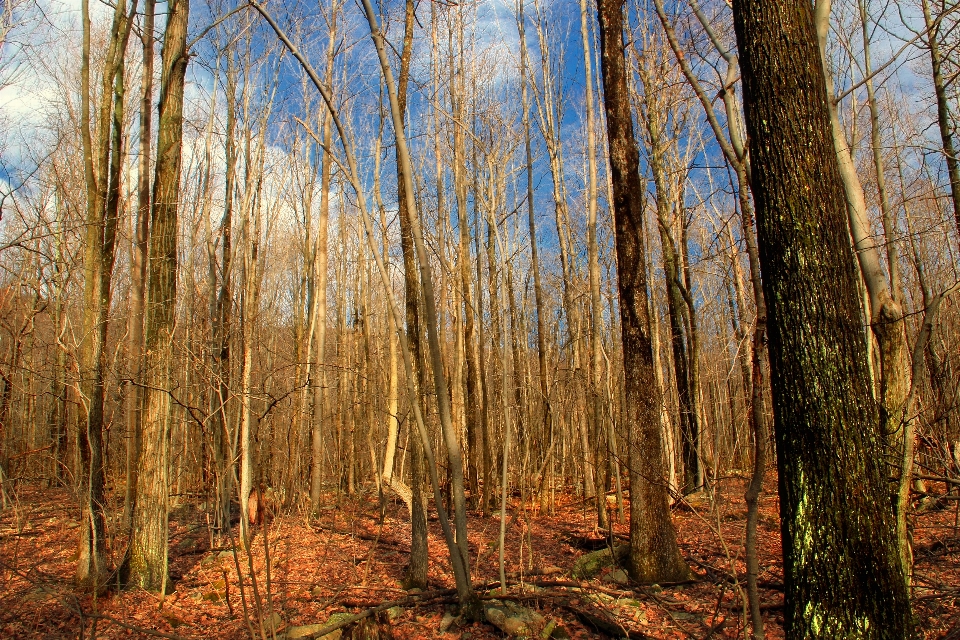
[(589, 565), (273, 621), (514, 620), (618, 576), (394, 613), (309, 629), (447, 622)]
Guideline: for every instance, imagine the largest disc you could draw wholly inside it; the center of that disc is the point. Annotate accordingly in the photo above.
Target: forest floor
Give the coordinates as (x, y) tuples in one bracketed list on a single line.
[(348, 560)]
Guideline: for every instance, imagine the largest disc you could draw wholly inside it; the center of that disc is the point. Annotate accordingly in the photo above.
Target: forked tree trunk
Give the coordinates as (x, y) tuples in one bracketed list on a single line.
[(102, 164), (148, 544), (417, 569), (835, 515), (221, 307), (454, 455)]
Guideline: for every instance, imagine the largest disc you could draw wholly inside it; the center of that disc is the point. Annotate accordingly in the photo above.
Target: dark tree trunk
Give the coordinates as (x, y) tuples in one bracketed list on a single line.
[(102, 159), (221, 306), (943, 110), (654, 555), (417, 570), (842, 570), (471, 399), (148, 544)]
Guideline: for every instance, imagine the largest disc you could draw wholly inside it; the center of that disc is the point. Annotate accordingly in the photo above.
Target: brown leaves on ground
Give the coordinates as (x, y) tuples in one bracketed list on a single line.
[(348, 560)]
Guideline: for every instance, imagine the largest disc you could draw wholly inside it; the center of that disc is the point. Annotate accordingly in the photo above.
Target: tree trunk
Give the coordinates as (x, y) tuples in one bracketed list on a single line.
[(594, 408), (654, 555), (138, 266), (835, 518), (321, 261), (221, 307), (475, 436), (532, 230), (103, 163), (417, 569), (454, 455), (148, 544), (943, 109)]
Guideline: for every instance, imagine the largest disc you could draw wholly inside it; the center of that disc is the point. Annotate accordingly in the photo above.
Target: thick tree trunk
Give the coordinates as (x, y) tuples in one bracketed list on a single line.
[(417, 569), (654, 555), (835, 518), (148, 544)]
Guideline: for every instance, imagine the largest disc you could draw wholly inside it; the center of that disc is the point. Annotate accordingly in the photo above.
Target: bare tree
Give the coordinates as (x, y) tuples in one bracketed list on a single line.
[(654, 555), (148, 545), (102, 162)]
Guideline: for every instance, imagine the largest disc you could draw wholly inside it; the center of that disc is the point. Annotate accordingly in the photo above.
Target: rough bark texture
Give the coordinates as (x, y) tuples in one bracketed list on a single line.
[(148, 544), (654, 555), (842, 570)]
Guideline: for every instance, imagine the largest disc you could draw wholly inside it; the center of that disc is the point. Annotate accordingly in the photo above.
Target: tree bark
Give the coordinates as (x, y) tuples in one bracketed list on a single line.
[(221, 307), (474, 425), (835, 518), (417, 569), (102, 164), (318, 381), (148, 544), (138, 264), (654, 554)]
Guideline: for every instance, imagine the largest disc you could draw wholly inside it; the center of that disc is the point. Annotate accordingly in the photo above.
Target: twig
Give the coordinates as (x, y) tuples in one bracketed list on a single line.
[(149, 632), (348, 620)]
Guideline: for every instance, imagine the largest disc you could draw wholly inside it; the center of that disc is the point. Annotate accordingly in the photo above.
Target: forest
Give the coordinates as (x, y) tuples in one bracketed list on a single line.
[(479, 319)]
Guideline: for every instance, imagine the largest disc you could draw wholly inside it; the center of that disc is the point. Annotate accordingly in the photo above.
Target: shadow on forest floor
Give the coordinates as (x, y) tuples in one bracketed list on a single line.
[(347, 561)]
